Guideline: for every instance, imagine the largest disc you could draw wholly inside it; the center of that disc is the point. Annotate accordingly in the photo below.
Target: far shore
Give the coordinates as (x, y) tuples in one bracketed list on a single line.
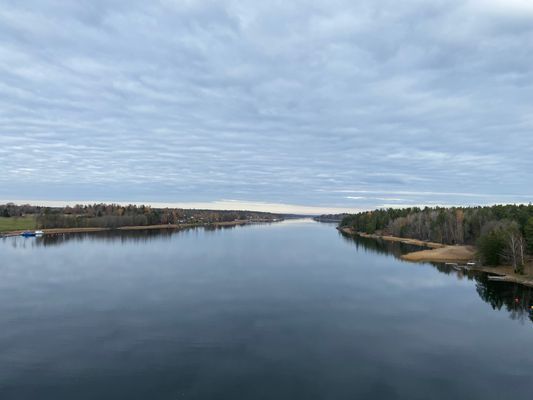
[(459, 254), (55, 231)]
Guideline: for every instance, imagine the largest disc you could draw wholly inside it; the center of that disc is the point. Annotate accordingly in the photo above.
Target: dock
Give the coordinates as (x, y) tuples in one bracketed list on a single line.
[(499, 278)]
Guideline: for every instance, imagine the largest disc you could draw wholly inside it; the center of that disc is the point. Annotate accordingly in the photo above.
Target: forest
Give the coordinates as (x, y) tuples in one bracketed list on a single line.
[(502, 233), (115, 215)]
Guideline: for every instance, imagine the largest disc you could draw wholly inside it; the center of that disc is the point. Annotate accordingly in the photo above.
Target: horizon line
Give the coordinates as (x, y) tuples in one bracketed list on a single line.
[(241, 205), (220, 205)]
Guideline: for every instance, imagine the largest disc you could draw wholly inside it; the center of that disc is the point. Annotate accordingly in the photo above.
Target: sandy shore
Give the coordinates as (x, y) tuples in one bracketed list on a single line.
[(453, 254), (72, 230), (443, 254), (437, 252), (416, 242)]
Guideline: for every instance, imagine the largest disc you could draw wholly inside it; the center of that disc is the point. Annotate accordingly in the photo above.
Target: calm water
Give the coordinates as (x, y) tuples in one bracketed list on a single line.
[(285, 311)]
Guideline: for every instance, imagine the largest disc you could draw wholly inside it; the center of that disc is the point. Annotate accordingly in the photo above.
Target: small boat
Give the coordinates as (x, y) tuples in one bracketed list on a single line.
[(28, 234), (39, 233)]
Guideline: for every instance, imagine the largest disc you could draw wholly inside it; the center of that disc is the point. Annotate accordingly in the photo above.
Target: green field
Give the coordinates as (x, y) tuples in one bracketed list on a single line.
[(17, 224)]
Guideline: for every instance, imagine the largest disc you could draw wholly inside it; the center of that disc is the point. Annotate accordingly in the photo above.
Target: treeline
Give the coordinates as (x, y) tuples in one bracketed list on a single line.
[(503, 233), (13, 210), (115, 215), (330, 217)]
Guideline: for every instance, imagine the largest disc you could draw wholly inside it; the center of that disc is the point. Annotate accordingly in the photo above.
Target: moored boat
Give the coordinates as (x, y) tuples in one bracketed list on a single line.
[(28, 234)]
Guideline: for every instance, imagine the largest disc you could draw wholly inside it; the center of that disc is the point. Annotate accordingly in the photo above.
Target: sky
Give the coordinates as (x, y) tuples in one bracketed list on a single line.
[(297, 106)]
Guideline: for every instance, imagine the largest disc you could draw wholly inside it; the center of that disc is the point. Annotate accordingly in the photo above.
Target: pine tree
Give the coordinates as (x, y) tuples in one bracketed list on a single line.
[(528, 233)]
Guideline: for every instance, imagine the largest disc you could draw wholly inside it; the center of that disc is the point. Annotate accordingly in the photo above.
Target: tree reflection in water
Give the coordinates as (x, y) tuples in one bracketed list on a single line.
[(121, 236), (516, 299)]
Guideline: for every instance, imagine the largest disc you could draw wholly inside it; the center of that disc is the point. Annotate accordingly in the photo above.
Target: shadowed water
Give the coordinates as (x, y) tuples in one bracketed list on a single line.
[(292, 310)]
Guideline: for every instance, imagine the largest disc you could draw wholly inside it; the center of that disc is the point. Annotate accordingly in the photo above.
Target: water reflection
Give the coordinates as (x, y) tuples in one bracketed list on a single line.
[(380, 246), (279, 312), (116, 236), (136, 236), (516, 299)]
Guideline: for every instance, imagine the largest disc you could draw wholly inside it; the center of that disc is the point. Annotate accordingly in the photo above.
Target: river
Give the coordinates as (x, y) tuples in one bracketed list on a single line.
[(290, 310)]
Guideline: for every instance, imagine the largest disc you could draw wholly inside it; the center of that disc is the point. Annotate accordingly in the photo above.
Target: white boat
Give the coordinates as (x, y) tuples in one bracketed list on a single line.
[(39, 233)]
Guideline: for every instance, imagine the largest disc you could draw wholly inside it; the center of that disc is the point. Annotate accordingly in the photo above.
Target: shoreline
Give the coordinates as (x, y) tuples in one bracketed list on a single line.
[(441, 253), (416, 242), (56, 231), (455, 253)]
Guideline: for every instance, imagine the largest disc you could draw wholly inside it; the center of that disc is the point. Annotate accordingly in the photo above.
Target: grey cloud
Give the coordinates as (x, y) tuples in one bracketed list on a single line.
[(285, 102)]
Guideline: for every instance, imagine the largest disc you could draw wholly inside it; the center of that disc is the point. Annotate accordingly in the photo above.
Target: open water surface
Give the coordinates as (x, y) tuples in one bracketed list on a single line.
[(290, 310)]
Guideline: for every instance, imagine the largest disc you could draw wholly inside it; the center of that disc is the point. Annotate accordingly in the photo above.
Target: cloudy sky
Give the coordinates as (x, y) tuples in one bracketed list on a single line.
[(319, 104)]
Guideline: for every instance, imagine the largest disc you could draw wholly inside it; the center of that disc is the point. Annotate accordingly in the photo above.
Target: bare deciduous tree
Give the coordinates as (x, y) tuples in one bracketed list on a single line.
[(515, 248)]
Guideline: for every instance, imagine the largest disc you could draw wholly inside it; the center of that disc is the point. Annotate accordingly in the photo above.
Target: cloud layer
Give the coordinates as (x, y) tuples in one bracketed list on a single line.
[(354, 104)]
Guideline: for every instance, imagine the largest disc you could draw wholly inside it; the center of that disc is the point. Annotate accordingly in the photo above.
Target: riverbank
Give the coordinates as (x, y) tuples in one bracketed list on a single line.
[(56, 231), (416, 242), (439, 252), (443, 254), (508, 275)]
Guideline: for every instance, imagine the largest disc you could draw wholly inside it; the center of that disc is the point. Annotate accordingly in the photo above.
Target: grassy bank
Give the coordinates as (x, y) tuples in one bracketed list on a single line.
[(17, 223)]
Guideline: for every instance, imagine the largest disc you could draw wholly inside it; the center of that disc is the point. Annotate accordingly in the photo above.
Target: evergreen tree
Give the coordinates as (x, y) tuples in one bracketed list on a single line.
[(528, 234), (491, 246)]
